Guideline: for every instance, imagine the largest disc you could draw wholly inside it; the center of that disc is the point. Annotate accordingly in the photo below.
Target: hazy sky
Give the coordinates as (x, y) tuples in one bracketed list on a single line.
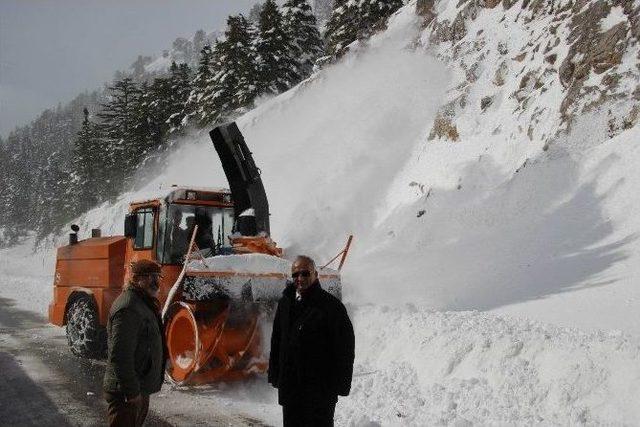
[(50, 50)]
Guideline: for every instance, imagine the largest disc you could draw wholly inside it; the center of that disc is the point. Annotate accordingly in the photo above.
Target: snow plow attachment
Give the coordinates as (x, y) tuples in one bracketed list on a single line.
[(218, 328), (213, 341)]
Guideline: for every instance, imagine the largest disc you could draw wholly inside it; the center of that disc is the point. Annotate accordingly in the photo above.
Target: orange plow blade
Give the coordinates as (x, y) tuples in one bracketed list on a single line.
[(211, 341)]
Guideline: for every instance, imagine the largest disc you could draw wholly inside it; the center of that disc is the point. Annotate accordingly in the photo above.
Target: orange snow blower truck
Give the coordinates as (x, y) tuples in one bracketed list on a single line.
[(221, 272)]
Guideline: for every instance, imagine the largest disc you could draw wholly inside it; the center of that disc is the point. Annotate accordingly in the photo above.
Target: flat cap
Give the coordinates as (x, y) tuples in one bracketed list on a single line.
[(145, 267)]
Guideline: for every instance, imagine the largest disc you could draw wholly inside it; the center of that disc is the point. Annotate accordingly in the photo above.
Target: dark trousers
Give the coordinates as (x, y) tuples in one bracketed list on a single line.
[(126, 414), (308, 415)]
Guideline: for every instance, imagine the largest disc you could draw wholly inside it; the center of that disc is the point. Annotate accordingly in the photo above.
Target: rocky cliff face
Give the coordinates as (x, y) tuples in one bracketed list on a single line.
[(535, 69)]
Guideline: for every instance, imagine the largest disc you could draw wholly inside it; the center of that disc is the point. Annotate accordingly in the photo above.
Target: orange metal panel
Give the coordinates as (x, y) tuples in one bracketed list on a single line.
[(152, 203), (94, 248), (91, 273), (204, 203)]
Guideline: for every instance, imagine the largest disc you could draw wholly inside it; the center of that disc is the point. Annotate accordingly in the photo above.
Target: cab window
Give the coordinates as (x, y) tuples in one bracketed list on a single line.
[(144, 229)]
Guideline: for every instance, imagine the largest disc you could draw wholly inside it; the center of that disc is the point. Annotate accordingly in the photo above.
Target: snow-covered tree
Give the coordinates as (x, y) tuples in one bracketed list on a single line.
[(234, 83), (180, 81), (342, 27), (118, 125), (278, 70), (374, 15), (198, 107), (254, 14), (87, 175), (322, 10), (199, 42), (56, 197), (302, 28), (153, 115), (356, 19)]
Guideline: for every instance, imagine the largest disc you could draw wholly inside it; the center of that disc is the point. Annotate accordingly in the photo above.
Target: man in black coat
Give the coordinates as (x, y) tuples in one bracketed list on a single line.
[(312, 349)]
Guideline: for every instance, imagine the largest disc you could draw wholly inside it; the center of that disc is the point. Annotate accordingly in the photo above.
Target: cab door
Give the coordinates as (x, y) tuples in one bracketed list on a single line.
[(143, 244)]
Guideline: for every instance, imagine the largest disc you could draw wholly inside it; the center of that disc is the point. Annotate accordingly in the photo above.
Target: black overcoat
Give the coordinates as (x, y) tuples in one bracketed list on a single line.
[(312, 348)]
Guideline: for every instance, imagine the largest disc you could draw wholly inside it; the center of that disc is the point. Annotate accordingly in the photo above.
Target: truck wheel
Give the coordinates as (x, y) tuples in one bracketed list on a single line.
[(85, 336)]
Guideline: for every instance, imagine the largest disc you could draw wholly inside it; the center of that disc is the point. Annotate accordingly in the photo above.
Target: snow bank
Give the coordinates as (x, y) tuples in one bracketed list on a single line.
[(26, 277), (249, 263), (418, 367)]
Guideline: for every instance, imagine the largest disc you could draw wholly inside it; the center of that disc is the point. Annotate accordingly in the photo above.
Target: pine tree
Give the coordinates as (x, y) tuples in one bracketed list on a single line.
[(38, 192), (88, 175), (199, 42), (302, 29), (234, 84), (374, 14), (197, 108), (278, 70), (7, 231), (154, 113), (254, 14), (356, 19), (342, 27), (119, 120), (22, 187), (180, 81), (322, 10), (55, 194)]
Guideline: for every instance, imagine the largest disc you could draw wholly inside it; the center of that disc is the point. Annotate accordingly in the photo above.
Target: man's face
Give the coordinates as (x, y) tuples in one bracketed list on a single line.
[(152, 285), (303, 274)]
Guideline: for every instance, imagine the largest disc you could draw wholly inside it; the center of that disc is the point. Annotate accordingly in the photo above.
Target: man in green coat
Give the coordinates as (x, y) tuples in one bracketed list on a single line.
[(136, 358)]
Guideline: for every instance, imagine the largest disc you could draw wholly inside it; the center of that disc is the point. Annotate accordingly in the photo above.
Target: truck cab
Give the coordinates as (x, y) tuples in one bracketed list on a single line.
[(91, 273)]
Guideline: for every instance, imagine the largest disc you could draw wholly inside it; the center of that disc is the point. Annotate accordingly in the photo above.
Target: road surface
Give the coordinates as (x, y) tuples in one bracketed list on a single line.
[(45, 385)]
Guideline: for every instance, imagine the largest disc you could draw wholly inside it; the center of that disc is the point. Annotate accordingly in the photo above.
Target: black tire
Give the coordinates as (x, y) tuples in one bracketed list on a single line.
[(85, 336)]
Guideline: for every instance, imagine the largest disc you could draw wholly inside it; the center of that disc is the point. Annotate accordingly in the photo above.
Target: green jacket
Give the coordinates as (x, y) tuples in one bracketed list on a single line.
[(135, 362)]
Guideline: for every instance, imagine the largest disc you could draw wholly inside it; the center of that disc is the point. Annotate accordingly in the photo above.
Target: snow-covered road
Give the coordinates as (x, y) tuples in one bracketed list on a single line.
[(45, 385)]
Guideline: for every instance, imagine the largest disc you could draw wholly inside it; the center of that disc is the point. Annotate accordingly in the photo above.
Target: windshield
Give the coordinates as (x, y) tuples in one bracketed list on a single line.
[(214, 225)]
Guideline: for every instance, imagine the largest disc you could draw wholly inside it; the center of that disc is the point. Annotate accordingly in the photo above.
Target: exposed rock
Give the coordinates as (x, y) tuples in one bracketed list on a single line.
[(490, 4), (566, 73), (485, 102), (564, 48), (520, 57), (501, 73), (608, 52), (458, 29), (502, 48), (591, 49), (443, 127), (632, 118), (471, 72), (424, 8)]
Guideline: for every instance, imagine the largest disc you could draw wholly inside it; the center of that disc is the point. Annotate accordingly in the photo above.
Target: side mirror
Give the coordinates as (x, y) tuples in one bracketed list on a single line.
[(130, 225)]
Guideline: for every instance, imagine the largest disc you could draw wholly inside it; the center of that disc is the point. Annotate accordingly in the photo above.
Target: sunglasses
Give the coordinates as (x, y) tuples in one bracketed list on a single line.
[(303, 273)]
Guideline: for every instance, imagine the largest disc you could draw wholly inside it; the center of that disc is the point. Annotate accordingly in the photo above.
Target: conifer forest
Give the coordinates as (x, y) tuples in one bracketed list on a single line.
[(76, 156)]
